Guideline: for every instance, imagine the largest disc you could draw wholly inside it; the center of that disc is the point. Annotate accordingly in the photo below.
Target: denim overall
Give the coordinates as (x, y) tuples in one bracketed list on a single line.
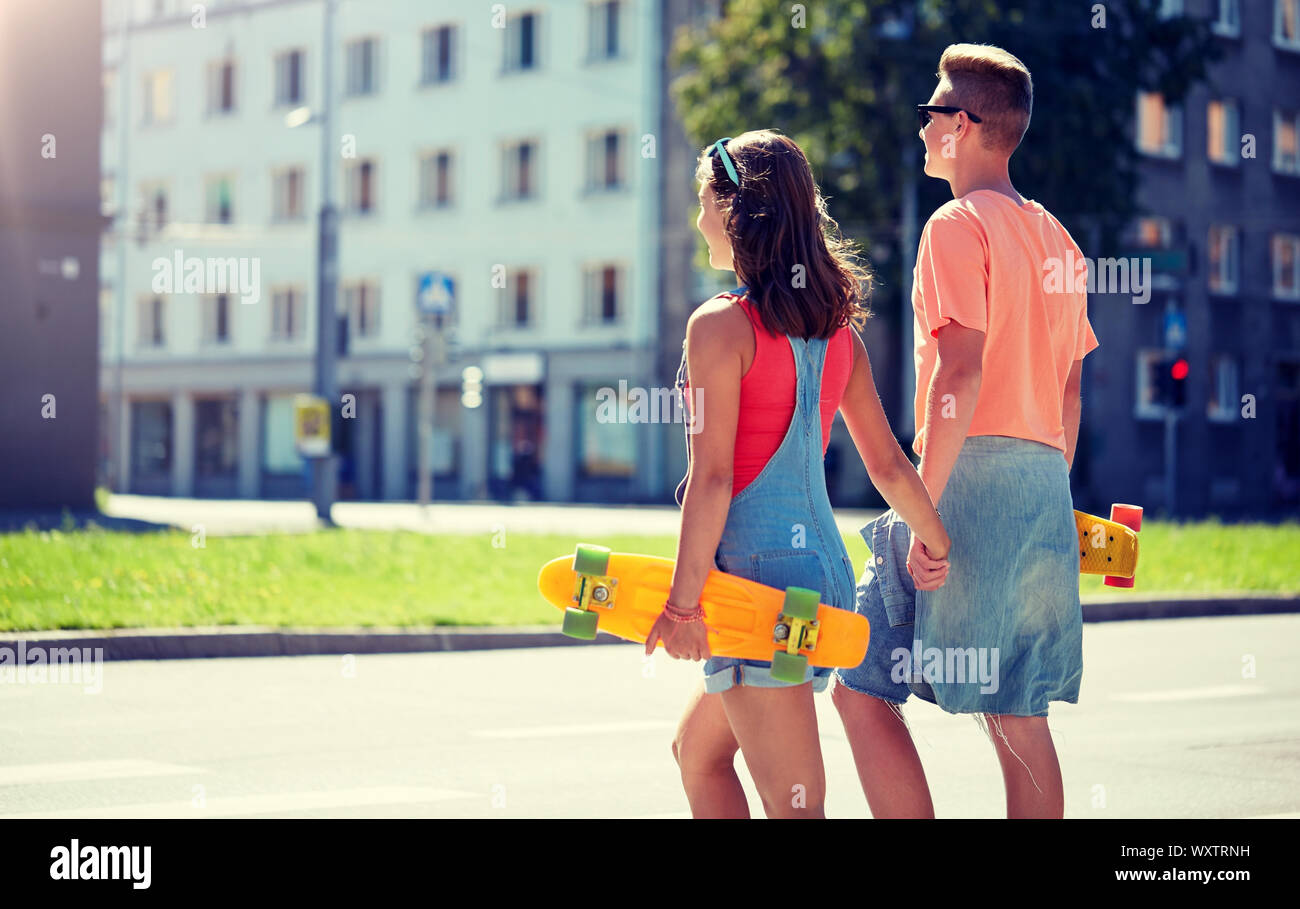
[(780, 530)]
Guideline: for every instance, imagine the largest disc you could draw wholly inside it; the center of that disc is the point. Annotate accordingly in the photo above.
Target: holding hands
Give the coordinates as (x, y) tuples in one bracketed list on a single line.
[(928, 568)]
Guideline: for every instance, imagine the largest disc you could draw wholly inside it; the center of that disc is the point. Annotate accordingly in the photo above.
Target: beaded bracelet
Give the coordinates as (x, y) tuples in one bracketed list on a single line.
[(676, 614)]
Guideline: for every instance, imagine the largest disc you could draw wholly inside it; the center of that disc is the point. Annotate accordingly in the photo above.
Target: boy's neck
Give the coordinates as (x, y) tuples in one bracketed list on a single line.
[(990, 175)]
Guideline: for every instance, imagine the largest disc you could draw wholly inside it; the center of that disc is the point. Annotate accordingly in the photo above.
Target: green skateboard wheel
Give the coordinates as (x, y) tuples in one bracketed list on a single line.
[(789, 667), (801, 603), (591, 559), (578, 623)]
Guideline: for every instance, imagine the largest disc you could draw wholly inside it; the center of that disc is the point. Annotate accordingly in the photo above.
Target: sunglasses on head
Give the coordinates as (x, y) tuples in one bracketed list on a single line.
[(923, 112), (726, 159)]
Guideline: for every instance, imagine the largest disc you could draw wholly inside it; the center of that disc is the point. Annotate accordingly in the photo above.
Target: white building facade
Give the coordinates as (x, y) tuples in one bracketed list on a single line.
[(509, 146)]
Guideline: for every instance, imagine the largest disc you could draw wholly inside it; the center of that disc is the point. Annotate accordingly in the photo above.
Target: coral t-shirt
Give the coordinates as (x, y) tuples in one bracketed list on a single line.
[(986, 262)]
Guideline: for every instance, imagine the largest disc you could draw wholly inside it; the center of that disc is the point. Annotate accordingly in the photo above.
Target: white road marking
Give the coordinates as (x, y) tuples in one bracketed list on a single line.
[(24, 774), (1190, 694), (266, 803), (544, 732)]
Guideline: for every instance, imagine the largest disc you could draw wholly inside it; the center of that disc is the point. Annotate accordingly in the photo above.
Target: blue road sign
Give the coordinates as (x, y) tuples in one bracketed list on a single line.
[(1175, 328), (435, 294)]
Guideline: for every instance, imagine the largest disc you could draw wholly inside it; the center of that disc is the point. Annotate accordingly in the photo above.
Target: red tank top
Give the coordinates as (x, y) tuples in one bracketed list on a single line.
[(767, 395)]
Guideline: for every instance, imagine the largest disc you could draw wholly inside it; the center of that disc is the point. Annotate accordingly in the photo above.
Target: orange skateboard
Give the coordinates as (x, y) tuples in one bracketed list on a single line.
[(624, 594), (1110, 547)]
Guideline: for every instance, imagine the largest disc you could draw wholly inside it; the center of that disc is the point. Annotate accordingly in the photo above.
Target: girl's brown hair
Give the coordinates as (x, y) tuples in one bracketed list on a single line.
[(777, 221)]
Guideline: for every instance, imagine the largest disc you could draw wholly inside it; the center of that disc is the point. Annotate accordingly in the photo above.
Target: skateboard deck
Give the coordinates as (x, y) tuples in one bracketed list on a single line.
[(624, 594), (1110, 547)]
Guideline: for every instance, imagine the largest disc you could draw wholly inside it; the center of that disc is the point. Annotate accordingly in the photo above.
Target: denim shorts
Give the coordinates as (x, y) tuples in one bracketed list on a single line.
[(1004, 633)]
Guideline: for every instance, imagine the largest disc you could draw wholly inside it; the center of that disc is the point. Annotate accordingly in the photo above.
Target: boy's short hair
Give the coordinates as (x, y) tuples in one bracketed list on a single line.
[(994, 85)]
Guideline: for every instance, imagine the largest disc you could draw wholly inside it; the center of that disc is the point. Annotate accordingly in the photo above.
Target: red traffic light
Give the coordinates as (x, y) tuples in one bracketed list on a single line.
[(1178, 369)]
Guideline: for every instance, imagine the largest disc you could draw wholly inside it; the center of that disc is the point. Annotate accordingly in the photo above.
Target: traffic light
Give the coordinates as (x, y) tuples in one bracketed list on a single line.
[(1168, 379), (1178, 382)]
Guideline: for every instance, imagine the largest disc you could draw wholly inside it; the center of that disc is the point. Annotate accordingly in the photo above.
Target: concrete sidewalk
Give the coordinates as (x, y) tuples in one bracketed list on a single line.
[(240, 516)]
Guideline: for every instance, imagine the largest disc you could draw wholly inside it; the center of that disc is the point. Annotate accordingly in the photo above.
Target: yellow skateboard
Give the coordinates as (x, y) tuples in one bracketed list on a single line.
[(1110, 547), (624, 594)]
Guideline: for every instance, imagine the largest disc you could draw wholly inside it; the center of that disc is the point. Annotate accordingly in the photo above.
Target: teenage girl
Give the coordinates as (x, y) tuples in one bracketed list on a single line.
[(764, 369)]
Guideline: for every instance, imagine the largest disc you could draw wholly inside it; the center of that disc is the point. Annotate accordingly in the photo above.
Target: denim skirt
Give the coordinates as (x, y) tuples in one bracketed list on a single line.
[(1004, 634)]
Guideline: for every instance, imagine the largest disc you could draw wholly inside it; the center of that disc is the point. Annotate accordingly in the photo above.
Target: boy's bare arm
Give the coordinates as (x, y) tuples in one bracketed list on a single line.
[(950, 404), (1071, 409)]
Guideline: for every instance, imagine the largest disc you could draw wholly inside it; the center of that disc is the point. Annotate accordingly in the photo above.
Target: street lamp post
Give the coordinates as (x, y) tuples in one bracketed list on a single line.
[(324, 470)]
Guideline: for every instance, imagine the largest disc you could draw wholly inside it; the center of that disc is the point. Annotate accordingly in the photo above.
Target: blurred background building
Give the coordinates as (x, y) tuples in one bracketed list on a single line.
[(541, 165)]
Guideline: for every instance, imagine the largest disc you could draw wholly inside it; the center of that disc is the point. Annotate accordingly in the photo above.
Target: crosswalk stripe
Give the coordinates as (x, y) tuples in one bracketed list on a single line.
[(64, 771), (1190, 694), (264, 803), (541, 732)]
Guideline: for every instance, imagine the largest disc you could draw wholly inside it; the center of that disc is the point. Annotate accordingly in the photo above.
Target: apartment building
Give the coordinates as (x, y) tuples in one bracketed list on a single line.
[(516, 149), (1220, 184)]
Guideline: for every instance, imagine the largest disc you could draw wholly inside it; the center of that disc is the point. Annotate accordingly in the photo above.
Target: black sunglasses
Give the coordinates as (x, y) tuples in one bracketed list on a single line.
[(923, 111)]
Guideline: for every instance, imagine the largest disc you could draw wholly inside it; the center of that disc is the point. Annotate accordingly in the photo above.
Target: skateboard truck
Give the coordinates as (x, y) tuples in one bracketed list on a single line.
[(592, 589), (796, 629)]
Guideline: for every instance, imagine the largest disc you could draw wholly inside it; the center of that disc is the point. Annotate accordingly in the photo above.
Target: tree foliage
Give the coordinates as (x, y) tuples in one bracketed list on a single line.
[(842, 78)]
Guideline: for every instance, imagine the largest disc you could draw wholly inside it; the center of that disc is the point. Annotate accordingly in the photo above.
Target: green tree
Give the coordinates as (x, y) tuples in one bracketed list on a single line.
[(842, 78)]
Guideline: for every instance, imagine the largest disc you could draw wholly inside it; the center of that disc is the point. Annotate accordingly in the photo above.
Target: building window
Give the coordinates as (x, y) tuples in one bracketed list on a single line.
[(219, 202), (1224, 400), (1286, 142), (109, 81), (1223, 132), (605, 153), (107, 195), (1154, 233), (361, 300), (1224, 256), (1286, 266), (603, 20), (1286, 24), (287, 309), (363, 66), (289, 79), (606, 447), (1170, 8), (438, 62), (361, 186), (221, 87), (603, 295), (1159, 127), (105, 317), (521, 43), (1227, 18), (216, 438), (518, 165), (151, 439), (157, 108), (153, 206), (152, 329), (216, 318), (436, 179), (516, 307), (287, 202), (279, 450), (1146, 405)]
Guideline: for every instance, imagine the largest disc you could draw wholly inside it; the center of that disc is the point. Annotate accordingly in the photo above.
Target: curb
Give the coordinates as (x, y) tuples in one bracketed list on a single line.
[(254, 641)]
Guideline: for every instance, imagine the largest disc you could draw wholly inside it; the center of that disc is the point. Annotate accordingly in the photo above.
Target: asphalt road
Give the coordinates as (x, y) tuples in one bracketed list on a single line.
[(1166, 727)]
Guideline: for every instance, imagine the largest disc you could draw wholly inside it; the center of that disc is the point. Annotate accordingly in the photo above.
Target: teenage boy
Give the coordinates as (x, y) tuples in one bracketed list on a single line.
[(998, 360)]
